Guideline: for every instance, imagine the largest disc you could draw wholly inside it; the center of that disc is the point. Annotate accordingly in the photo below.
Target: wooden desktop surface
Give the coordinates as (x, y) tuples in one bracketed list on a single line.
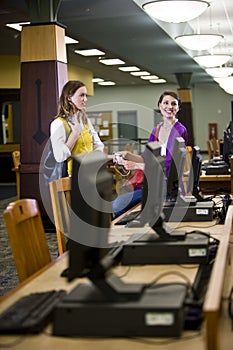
[(210, 184), (216, 333)]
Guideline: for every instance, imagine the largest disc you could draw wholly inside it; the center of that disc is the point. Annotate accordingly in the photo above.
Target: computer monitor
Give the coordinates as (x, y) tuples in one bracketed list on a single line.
[(90, 215), (194, 174), (230, 127), (90, 254), (227, 145), (153, 195), (175, 175)]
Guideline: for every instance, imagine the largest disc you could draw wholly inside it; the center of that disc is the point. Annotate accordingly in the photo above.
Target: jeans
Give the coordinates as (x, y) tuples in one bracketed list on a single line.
[(126, 201)]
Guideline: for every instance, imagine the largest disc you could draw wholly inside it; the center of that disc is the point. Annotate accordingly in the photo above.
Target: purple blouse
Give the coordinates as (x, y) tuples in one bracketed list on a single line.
[(178, 130)]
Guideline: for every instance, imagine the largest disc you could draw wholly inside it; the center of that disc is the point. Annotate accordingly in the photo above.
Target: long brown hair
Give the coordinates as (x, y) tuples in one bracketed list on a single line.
[(66, 108)]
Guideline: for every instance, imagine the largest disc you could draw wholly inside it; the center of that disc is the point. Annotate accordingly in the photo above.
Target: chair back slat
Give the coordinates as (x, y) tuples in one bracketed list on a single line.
[(27, 237), (60, 199)]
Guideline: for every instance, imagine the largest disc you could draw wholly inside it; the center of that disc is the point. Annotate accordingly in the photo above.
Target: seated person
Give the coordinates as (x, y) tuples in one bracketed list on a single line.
[(166, 132)]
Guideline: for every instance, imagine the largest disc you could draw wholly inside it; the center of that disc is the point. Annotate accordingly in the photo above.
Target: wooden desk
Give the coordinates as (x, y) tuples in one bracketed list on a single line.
[(211, 184), (215, 335)]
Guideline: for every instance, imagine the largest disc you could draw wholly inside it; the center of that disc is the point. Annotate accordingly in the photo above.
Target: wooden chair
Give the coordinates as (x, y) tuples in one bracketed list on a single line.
[(60, 199), (16, 162), (215, 147), (187, 165), (27, 237), (210, 149)]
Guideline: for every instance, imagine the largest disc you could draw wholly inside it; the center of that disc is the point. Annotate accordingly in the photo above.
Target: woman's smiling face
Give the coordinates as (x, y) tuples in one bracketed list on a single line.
[(169, 107)]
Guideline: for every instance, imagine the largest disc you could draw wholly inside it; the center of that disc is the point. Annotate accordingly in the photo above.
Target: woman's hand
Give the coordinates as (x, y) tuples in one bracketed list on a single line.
[(75, 126), (76, 129), (129, 165)]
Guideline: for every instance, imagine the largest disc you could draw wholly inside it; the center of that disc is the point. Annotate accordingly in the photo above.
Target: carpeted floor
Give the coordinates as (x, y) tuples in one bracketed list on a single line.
[(8, 274), (7, 190)]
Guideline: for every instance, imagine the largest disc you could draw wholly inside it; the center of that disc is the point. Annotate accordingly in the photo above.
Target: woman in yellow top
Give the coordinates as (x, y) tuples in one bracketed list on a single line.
[(71, 131)]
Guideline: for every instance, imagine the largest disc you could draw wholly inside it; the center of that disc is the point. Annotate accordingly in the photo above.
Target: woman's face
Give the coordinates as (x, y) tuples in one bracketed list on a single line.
[(169, 107), (79, 98)]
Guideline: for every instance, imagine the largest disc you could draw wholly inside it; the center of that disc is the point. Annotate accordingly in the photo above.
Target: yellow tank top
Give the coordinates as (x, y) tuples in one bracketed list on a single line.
[(83, 144)]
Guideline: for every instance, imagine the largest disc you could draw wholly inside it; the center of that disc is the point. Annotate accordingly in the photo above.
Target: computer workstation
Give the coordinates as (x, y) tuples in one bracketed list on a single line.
[(165, 245), (216, 330), (178, 207), (90, 256), (221, 165)]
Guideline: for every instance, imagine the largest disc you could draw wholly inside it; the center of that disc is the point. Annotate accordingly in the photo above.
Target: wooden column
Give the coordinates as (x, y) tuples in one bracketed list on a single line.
[(185, 114), (43, 74)]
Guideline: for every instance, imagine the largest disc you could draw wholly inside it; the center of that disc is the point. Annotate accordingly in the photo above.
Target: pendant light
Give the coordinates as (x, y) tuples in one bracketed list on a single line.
[(199, 42), (173, 11), (214, 60)]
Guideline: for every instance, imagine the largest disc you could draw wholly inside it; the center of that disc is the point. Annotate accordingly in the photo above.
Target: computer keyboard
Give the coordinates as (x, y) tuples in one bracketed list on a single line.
[(31, 313), (129, 217)]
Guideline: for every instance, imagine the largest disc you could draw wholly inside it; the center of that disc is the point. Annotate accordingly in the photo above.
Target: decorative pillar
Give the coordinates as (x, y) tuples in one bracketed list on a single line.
[(185, 114), (43, 74)]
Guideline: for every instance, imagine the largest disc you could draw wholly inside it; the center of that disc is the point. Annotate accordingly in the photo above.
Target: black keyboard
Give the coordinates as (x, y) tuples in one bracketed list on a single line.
[(129, 217), (31, 313)]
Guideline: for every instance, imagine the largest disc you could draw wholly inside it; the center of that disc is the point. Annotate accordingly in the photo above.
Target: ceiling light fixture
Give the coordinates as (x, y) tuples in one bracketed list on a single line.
[(149, 77), (173, 11), (69, 40), (199, 42), (227, 85), (129, 69), (97, 80), (17, 26), (220, 72), (212, 60), (90, 52), (111, 61), (157, 81), (106, 83), (139, 74)]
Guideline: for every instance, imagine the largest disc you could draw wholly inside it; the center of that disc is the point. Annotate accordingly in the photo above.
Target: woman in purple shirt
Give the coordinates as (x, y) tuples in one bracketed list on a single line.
[(166, 132)]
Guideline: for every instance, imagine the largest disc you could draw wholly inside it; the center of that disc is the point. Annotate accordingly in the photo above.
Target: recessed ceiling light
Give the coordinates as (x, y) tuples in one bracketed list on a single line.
[(17, 26), (97, 80), (149, 77), (89, 52), (138, 74), (69, 40), (106, 83), (112, 61), (129, 69), (157, 81)]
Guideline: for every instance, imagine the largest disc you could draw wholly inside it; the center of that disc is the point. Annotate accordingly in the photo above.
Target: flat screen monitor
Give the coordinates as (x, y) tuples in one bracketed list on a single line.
[(194, 174), (90, 215), (153, 195), (90, 254), (174, 180), (153, 184), (227, 145)]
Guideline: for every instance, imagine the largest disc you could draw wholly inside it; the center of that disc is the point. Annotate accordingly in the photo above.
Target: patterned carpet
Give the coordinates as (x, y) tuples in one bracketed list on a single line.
[(8, 274)]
